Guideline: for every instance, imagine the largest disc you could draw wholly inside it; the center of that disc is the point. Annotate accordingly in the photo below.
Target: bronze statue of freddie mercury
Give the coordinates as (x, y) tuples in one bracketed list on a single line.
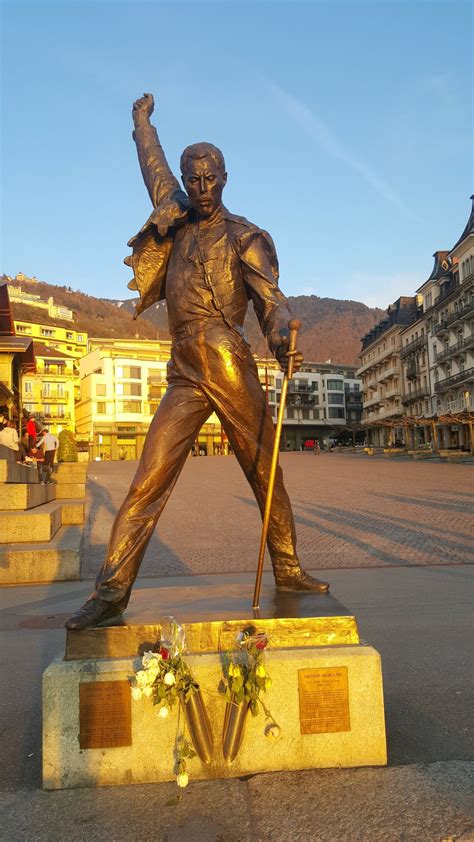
[(207, 263)]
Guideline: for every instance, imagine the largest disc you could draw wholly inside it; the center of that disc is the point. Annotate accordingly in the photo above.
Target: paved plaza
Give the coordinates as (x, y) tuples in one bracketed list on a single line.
[(394, 538), (350, 511)]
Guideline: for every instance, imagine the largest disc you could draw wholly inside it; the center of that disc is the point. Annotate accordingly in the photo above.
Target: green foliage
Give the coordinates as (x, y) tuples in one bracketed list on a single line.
[(67, 450)]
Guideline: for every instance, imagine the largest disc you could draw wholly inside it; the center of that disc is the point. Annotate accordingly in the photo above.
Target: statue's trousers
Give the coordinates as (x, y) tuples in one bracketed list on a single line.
[(210, 370)]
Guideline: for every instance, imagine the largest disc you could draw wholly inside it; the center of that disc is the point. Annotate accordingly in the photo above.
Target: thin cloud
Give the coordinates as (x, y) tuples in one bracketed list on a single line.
[(327, 141)]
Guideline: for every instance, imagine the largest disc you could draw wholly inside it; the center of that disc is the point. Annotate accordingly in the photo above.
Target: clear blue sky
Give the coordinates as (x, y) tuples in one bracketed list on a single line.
[(346, 128)]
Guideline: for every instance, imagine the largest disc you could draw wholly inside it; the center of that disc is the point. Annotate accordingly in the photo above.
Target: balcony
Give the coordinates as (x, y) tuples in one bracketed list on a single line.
[(455, 379), (373, 400), (55, 416), (392, 393), (412, 346), (299, 388), (462, 345), (461, 313), (388, 373), (441, 327), (417, 394), (54, 396)]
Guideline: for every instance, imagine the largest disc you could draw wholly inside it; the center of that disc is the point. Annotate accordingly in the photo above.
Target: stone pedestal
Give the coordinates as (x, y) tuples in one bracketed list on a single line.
[(326, 694)]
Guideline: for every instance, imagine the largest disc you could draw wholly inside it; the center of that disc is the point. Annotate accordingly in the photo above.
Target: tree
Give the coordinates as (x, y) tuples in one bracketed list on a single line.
[(67, 450)]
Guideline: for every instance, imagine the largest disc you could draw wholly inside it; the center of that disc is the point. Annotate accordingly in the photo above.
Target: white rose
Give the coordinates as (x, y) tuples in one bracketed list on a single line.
[(141, 678), (136, 694), (150, 657), (183, 779), (163, 713), (148, 691), (169, 679)]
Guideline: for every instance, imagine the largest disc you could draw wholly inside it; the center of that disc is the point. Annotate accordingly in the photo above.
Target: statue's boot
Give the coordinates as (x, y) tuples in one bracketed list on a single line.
[(94, 612), (290, 576)]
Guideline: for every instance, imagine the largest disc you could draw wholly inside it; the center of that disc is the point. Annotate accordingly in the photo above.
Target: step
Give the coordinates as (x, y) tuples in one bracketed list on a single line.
[(57, 561), (10, 471), (23, 495), (70, 472), (73, 512), (33, 525), (66, 490)]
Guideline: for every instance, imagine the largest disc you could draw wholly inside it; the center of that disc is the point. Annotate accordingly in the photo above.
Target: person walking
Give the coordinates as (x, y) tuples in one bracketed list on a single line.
[(50, 444), (317, 449)]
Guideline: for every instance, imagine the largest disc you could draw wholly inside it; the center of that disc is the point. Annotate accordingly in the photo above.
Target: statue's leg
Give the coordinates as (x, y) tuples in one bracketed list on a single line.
[(246, 417), (177, 421)]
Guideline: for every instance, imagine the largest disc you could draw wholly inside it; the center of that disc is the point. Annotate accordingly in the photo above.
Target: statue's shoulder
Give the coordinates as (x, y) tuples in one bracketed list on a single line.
[(241, 228)]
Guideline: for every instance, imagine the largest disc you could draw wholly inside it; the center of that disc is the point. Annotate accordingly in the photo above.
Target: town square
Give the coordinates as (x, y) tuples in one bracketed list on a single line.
[(237, 421)]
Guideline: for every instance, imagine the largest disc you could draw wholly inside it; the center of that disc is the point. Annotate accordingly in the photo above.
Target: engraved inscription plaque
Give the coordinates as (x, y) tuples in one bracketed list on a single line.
[(324, 700), (105, 714)]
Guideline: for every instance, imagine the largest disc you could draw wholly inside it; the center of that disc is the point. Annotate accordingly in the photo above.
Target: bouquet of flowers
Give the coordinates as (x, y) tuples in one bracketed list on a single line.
[(165, 678)]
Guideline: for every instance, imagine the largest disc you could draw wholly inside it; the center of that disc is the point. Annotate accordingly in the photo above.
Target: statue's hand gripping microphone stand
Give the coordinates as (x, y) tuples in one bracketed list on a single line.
[(294, 326)]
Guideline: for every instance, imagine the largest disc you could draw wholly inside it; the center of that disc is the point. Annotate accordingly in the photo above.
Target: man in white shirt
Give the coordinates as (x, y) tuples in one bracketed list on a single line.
[(9, 438), (50, 444)]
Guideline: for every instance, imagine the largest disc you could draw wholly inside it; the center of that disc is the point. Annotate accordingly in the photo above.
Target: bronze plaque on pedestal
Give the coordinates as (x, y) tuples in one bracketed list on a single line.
[(105, 714), (324, 700)]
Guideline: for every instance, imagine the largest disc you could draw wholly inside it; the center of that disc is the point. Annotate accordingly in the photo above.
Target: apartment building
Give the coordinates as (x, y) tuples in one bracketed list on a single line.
[(382, 375), (49, 392), (324, 402), (122, 384), (448, 312)]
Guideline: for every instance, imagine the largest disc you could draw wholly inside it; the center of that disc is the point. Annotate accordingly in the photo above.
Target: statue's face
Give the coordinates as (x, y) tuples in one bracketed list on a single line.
[(204, 182)]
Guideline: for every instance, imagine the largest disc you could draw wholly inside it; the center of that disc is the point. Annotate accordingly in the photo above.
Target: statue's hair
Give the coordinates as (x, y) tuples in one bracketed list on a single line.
[(201, 150)]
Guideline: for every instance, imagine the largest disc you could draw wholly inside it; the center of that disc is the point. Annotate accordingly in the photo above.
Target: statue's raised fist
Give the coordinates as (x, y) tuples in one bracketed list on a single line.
[(143, 106)]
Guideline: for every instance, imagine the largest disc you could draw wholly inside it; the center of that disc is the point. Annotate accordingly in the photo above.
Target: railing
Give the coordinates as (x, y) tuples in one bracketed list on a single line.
[(464, 343), (390, 393), (294, 388), (416, 394), (460, 313), (441, 326), (412, 346), (54, 396), (441, 385), (57, 417), (376, 398)]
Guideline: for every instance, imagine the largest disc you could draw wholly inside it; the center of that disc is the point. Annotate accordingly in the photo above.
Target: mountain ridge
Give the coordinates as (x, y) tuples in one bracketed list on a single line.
[(331, 328)]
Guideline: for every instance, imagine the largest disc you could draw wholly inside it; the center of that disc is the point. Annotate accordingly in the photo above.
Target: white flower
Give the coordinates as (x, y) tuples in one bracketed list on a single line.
[(153, 673), (150, 657), (141, 678), (136, 694), (148, 691), (182, 779), (169, 679), (163, 713), (273, 731)]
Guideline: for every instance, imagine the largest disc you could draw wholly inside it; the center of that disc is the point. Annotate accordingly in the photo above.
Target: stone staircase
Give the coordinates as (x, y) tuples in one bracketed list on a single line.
[(41, 526)]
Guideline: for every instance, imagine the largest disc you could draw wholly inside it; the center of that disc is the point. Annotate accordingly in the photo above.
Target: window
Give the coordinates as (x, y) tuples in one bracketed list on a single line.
[(102, 408), (129, 372), (47, 332), (28, 387), (335, 412), (152, 408), (314, 385), (46, 388), (130, 406), (60, 411), (335, 385), (305, 413), (290, 412), (30, 407), (101, 389), (129, 389), (47, 410), (80, 337), (335, 397)]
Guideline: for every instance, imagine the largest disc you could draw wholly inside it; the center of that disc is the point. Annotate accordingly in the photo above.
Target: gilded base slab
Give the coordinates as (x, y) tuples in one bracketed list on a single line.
[(212, 615)]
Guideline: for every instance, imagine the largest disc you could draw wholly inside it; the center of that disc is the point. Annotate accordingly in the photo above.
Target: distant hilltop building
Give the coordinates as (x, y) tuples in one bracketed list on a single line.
[(16, 293)]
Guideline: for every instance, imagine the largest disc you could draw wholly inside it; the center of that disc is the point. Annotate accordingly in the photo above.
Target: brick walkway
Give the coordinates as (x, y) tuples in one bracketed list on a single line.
[(351, 511)]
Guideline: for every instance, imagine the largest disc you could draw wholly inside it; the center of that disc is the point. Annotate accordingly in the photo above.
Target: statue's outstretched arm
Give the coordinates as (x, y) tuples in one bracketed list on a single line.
[(160, 181)]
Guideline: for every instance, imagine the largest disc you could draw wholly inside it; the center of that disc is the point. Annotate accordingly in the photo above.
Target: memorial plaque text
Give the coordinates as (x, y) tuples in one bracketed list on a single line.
[(324, 700), (105, 714)]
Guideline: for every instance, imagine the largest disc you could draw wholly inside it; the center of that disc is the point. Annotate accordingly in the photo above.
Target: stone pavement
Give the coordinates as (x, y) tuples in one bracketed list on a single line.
[(350, 511), (400, 538)]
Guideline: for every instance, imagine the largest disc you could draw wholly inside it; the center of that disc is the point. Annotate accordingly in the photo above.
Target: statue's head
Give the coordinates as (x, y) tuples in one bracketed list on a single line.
[(204, 177)]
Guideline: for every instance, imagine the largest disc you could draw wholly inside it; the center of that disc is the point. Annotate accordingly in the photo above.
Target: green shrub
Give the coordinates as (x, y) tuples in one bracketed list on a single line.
[(67, 450)]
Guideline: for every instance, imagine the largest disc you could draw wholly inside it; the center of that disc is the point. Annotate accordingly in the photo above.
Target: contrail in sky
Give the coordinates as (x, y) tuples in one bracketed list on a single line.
[(320, 132)]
